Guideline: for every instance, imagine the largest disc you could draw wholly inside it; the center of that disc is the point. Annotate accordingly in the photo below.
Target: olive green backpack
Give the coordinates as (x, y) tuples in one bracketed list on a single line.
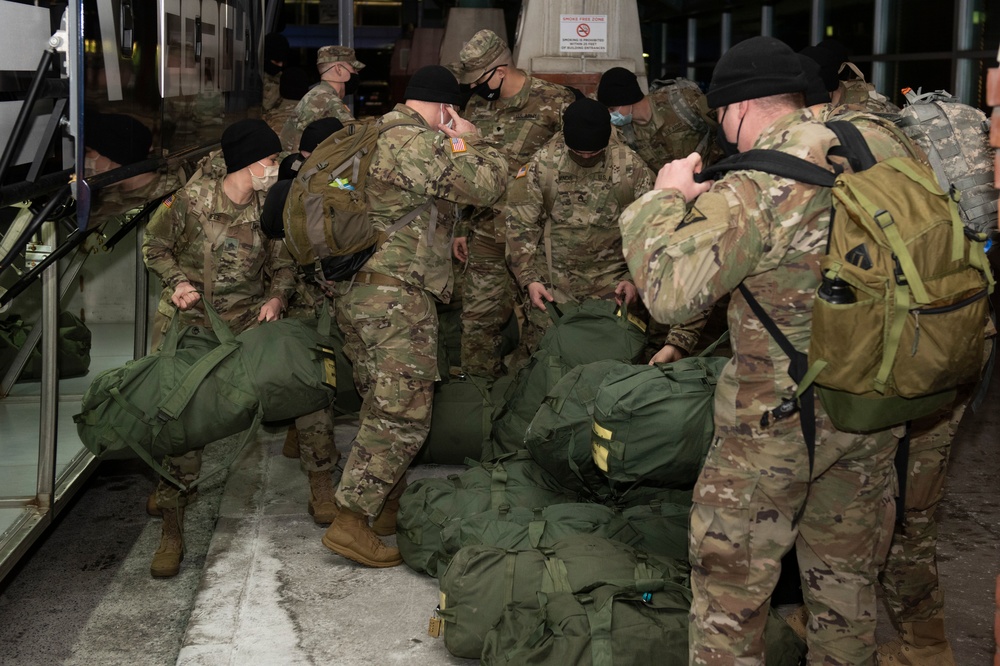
[(481, 581)]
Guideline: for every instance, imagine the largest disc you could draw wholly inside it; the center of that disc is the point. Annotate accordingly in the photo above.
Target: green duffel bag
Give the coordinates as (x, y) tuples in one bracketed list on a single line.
[(654, 424), (558, 437), (663, 525), (521, 528), (204, 385), (613, 625), (481, 580), (429, 505), (460, 421), (72, 347), (594, 330)]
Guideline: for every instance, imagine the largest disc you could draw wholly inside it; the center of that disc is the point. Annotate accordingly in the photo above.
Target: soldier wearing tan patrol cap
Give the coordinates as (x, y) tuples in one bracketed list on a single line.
[(338, 73), (518, 114)]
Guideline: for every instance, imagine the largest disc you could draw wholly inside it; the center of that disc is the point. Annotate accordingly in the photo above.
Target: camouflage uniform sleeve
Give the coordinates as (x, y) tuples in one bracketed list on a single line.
[(524, 225), (281, 268), (163, 233), (684, 259), (272, 94), (685, 336), (643, 178), (465, 170)]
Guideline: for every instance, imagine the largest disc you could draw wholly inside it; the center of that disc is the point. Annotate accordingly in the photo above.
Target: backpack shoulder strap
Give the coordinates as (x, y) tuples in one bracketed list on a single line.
[(852, 145), (773, 162)]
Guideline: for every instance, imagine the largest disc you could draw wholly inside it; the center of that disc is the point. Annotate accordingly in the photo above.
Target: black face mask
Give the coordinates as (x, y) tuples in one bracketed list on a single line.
[(351, 84), (587, 162), (484, 90), (729, 148)]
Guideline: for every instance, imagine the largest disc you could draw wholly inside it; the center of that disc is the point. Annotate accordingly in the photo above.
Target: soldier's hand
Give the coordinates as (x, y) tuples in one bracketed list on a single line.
[(270, 311), (626, 292), (679, 175), (460, 248), (668, 354), (461, 126), (185, 296), (539, 295)]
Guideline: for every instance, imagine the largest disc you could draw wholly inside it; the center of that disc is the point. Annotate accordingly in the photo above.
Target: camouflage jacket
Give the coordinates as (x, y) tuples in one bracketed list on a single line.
[(279, 115), (577, 208), (320, 102), (764, 231), (272, 96), (112, 201), (517, 126), (201, 236), (678, 127), (414, 163)]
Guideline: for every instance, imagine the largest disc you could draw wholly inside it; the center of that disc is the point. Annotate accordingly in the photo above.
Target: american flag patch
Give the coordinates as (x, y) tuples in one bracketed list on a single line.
[(169, 201), (522, 172), (458, 145)]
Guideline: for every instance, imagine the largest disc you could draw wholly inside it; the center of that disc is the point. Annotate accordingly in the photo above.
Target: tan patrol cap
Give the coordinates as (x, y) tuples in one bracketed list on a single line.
[(483, 52), (328, 54)]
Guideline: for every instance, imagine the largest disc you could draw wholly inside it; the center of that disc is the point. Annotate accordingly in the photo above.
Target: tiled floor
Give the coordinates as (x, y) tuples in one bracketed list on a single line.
[(20, 418)]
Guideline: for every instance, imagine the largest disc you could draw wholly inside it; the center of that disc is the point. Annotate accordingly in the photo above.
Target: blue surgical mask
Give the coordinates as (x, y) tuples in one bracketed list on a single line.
[(618, 120)]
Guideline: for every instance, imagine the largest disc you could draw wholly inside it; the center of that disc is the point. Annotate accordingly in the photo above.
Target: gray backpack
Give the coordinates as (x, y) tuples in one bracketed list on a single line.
[(955, 137)]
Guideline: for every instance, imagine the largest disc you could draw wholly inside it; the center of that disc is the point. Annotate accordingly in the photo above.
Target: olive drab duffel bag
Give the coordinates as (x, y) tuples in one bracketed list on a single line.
[(481, 581), (653, 424), (593, 331), (204, 385), (73, 347), (460, 420), (611, 625), (429, 505)]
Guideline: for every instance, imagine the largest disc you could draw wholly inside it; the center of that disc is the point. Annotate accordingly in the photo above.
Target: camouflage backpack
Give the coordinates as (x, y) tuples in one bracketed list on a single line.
[(326, 213), (956, 138), (859, 93), (686, 100)]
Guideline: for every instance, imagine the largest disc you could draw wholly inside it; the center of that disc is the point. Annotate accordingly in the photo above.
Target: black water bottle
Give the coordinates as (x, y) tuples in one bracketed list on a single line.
[(836, 291)]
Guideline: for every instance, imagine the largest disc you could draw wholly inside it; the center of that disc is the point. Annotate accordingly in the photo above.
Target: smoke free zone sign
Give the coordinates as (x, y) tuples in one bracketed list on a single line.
[(588, 34)]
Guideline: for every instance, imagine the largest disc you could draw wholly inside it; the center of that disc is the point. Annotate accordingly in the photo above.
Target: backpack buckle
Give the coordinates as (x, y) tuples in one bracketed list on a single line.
[(883, 213), (787, 407), (897, 272)]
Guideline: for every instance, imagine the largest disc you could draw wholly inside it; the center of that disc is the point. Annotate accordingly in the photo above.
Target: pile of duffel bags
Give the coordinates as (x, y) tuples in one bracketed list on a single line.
[(568, 543)]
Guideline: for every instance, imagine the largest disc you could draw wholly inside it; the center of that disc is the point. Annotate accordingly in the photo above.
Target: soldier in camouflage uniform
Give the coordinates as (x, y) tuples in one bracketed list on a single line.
[(689, 244), (563, 242), (338, 77), (294, 86), (205, 241), (518, 114), (276, 54), (667, 124), (387, 310), (851, 93)]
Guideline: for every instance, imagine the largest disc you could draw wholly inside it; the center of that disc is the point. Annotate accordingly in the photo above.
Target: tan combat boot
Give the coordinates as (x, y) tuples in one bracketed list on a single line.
[(322, 507), (291, 447), (153, 509), (385, 522), (167, 560), (919, 644), (350, 536)]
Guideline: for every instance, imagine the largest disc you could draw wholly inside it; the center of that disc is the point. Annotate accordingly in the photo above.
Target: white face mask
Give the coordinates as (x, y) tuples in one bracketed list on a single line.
[(445, 117), (270, 177)]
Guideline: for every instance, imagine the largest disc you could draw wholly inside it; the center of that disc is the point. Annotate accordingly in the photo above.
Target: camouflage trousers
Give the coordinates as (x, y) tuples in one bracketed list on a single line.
[(749, 491), (910, 576), (390, 335), (317, 449), (487, 303)]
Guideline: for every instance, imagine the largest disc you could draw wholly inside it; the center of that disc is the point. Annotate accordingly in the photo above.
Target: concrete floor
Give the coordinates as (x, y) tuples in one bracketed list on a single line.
[(257, 586)]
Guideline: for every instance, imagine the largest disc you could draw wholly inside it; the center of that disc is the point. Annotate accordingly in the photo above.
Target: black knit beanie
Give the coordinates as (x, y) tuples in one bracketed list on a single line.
[(248, 141), (815, 89), (618, 87), (317, 132), (754, 68), (294, 83), (434, 83), (829, 64), (586, 126), (119, 137), (840, 53)]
